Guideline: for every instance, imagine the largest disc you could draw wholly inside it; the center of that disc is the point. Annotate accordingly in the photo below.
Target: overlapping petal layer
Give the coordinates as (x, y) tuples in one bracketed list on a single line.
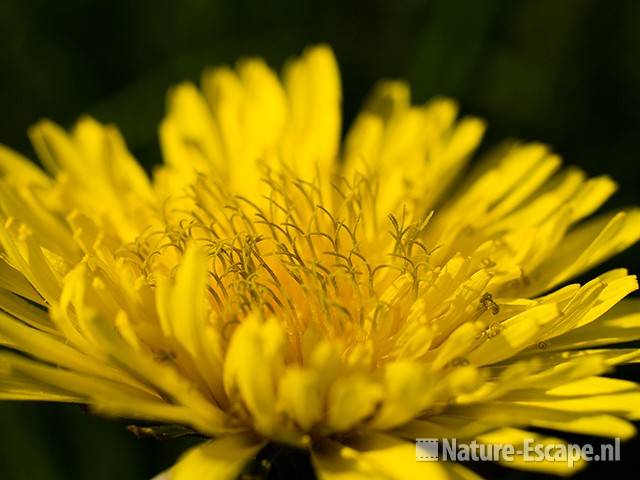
[(271, 284)]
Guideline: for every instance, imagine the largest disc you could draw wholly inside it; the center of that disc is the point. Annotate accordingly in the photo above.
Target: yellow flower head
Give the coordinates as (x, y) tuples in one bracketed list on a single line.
[(274, 284)]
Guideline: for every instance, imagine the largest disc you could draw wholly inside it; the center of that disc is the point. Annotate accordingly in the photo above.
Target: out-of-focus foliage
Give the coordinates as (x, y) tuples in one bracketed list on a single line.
[(564, 72)]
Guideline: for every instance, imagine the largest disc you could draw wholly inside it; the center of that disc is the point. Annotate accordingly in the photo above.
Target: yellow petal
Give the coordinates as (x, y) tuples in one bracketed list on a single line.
[(408, 389), (376, 455), (587, 245), (19, 170), (312, 84), (256, 346), (206, 416), (223, 458), (350, 399), (514, 335), (193, 119), (520, 462), (299, 396), (620, 324)]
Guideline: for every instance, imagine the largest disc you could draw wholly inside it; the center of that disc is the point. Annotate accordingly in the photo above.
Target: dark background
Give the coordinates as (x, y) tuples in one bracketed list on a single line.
[(563, 72)]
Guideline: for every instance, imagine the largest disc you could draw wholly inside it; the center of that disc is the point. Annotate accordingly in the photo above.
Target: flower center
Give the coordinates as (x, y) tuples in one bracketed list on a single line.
[(314, 254)]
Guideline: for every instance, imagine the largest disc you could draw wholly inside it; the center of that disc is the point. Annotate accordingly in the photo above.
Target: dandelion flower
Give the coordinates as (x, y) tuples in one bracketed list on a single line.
[(272, 284)]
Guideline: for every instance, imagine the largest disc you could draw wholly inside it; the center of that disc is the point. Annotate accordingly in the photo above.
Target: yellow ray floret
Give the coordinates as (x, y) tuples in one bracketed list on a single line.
[(270, 284)]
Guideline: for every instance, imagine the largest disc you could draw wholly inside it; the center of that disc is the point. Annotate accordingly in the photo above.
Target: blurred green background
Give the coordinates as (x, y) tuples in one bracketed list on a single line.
[(563, 72)]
